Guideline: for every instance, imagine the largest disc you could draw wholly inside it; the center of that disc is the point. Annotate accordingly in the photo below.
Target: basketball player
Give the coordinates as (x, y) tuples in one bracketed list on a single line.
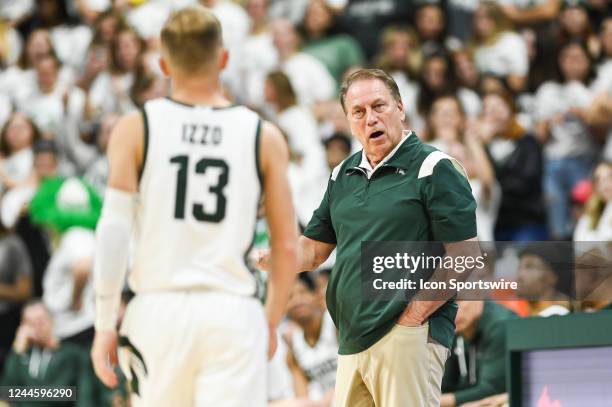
[(185, 176)]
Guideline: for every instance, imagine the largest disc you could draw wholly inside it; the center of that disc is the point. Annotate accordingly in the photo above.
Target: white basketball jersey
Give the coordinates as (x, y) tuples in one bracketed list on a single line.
[(318, 362), (199, 192)]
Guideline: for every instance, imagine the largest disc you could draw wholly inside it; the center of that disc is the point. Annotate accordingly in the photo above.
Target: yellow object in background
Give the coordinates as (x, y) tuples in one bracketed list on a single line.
[(137, 2)]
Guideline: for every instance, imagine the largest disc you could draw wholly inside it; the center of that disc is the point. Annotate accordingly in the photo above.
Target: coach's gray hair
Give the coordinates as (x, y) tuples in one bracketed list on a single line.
[(365, 74)]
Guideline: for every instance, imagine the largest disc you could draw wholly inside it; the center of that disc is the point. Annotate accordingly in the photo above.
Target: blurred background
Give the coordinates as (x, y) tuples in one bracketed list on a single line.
[(520, 91)]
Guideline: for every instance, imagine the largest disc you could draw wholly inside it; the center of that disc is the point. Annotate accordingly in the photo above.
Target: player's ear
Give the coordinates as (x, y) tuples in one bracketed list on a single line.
[(163, 65), (223, 58), (400, 106)]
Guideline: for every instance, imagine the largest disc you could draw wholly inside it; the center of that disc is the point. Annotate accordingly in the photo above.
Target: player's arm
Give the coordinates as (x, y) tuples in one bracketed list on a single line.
[(274, 158), (113, 232)]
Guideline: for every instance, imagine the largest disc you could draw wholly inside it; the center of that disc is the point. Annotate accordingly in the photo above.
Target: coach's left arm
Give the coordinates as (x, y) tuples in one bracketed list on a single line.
[(447, 195)]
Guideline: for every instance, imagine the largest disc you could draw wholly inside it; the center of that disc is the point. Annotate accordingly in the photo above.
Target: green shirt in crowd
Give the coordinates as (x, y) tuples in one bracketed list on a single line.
[(418, 194), (337, 53), (67, 365), (477, 368)]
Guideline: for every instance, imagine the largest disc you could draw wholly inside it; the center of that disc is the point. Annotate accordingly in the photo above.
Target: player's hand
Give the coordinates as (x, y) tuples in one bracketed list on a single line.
[(272, 340), (104, 357)]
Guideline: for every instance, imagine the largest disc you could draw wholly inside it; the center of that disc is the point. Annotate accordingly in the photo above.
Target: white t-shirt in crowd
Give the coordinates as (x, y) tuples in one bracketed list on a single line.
[(258, 57), (109, 94), (14, 10), (71, 43), (51, 115), (507, 56), (603, 231), (308, 179), (76, 244), (571, 137), (148, 19), (236, 24), (18, 166)]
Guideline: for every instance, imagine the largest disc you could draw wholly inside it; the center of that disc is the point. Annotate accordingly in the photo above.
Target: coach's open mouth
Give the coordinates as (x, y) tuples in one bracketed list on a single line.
[(376, 134)]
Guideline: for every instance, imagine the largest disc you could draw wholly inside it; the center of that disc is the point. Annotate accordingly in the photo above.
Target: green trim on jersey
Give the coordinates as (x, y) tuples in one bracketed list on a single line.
[(257, 152), (145, 148), (404, 200), (192, 105)]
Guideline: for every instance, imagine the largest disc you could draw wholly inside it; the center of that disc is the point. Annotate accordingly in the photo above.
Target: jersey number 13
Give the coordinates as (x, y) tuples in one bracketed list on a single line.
[(203, 167)]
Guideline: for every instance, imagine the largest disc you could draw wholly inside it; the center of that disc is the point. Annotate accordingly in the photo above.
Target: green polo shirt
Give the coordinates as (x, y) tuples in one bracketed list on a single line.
[(418, 194)]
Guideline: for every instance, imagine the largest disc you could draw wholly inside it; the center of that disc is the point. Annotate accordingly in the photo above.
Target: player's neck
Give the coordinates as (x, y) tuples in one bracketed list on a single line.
[(199, 91)]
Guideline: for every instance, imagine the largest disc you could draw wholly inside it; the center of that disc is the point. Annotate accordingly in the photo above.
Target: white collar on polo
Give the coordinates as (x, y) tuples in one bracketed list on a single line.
[(365, 164)]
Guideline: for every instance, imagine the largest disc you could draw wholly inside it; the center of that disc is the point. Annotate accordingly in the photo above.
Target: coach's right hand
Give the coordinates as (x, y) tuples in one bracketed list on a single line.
[(262, 259), (104, 357)]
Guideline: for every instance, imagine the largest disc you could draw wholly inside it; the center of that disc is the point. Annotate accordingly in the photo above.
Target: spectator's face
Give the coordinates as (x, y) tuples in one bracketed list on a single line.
[(399, 50), (284, 36), (304, 304), (336, 151), (446, 114), (128, 50), (45, 164), (318, 17), (468, 315), (434, 73), (466, 69), (19, 133), (37, 319), (107, 28), (606, 36), (574, 20), (257, 9), (46, 72), (534, 278), (39, 46), (375, 117), (574, 63), (430, 22), (484, 25), (497, 113), (603, 181)]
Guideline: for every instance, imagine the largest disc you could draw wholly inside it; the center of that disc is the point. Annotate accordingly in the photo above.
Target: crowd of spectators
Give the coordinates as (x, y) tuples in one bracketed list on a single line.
[(519, 91)]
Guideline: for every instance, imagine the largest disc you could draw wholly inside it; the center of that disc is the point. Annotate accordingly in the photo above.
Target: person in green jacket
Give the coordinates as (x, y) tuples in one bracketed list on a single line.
[(477, 366), (38, 359)]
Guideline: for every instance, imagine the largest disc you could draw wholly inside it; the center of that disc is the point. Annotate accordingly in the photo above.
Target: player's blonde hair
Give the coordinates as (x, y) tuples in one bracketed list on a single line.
[(191, 38)]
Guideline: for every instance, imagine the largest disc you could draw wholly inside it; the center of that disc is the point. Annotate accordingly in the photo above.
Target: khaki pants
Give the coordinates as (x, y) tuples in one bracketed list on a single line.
[(403, 369)]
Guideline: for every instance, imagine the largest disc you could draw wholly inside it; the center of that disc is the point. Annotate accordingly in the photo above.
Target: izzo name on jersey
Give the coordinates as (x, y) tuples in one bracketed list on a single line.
[(202, 134)]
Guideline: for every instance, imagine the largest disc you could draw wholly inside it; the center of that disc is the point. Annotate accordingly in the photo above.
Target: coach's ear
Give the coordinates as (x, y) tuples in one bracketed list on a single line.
[(163, 65)]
